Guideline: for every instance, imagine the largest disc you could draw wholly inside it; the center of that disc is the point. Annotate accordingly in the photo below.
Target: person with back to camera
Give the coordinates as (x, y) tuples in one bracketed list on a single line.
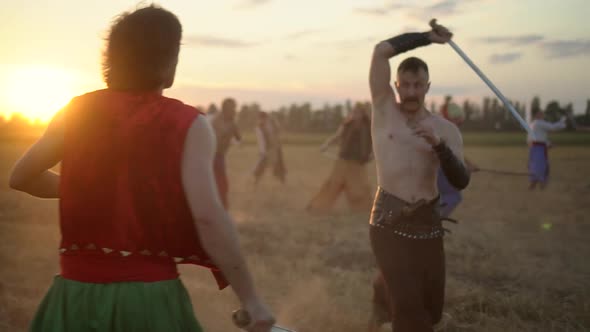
[(137, 195)]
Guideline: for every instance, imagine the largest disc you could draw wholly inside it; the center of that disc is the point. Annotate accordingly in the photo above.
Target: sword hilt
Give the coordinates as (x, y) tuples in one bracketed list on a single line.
[(242, 319)]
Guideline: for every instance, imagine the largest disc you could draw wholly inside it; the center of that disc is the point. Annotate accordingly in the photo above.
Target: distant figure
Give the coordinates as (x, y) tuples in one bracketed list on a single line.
[(136, 195), (538, 148), (211, 111), (452, 111), (349, 173), (269, 145), (451, 197), (226, 129)]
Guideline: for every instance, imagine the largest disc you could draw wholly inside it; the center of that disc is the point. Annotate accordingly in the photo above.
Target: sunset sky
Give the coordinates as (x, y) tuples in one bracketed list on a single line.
[(278, 52)]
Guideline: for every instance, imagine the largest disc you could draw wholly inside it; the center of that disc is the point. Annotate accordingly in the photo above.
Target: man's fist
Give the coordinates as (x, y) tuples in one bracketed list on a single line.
[(439, 34)]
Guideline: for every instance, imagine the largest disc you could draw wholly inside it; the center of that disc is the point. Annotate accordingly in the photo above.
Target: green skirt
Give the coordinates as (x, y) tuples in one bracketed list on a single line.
[(73, 306)]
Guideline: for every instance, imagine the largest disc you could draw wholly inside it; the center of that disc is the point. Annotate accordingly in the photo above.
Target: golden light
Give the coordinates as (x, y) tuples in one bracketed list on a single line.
[(38, 92)]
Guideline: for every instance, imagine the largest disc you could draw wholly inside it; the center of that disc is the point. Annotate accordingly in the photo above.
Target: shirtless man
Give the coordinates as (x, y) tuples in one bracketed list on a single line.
[(410, 144), (225, 129)]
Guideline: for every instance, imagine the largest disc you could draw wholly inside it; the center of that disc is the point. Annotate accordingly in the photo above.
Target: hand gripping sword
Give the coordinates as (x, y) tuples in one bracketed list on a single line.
[(242, 319)]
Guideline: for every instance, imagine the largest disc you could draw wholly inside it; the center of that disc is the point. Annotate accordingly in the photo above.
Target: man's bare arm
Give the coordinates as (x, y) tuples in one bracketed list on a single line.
[(332, 139), (471, 166), (380, 75), (553, 126), (215, 226), (32, 173)]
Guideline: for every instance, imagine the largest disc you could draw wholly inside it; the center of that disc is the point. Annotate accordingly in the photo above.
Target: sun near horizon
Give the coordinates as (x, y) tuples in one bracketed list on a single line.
[(36, 92)]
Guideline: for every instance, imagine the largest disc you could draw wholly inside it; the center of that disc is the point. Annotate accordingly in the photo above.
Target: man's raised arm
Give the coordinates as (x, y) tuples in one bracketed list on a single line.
[(380, 73)]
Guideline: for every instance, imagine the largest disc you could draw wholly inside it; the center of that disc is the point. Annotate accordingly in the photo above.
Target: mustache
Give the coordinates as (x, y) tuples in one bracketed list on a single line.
[(410, 100)]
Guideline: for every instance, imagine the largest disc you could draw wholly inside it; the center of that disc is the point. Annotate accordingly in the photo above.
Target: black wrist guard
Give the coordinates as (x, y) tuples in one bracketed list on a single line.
[(409, 41), (452, 167)]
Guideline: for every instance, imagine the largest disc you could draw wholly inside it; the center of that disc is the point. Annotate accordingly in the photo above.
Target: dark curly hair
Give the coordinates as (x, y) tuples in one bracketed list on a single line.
[(142, 50)]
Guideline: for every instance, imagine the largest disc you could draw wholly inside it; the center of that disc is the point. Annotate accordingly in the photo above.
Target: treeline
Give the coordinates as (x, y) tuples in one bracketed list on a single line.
[(18, 124), (489, 115), (298, 117)]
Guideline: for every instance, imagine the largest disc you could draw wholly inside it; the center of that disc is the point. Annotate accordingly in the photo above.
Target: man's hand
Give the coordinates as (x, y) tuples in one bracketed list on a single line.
[(439, 34), (261, 319), (427, 133)]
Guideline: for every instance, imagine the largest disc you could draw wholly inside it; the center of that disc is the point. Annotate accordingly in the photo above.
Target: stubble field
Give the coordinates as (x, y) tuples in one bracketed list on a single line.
[(517, 261)]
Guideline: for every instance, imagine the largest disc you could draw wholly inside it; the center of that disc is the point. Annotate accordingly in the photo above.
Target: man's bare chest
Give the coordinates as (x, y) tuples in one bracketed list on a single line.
[(400, 140)]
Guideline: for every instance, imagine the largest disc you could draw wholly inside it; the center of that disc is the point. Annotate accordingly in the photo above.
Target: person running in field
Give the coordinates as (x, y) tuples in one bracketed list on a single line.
[(349, 174), (269, 146), (226, 130)]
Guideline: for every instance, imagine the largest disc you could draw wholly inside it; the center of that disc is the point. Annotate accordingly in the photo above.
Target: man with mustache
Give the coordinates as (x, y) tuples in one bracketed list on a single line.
[(410, 144)]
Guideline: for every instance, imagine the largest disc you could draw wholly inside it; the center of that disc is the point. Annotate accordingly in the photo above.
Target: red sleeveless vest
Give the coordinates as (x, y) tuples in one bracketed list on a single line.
[(123, 212)]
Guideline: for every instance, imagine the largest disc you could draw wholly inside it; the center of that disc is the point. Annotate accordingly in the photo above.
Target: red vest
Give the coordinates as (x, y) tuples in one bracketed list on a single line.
[(123, 212)]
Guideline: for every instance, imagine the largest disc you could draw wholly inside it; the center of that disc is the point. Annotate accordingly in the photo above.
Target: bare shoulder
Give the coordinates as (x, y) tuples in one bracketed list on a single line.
[(200, 133), (384, 111), (446, 128)]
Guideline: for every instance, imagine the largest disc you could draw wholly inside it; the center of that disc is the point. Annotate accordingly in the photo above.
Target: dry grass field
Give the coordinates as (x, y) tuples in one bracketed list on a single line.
[(518, 260)]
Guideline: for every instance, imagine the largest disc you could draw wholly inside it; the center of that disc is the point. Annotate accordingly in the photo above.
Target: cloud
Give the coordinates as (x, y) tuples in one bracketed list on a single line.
[(246, 4), (422, 13), (290, 57), (350, 43), (551, 48), (443, 8), (441, 89), (513, 40), (566, 48), (410, 28), (438, 9), (372, 11), (399, 5), (383, 11), (210, 41), (505, 57), (301, 34)]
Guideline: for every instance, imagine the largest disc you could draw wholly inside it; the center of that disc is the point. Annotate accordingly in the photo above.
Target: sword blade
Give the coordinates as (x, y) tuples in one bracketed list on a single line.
[(491, 85)]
